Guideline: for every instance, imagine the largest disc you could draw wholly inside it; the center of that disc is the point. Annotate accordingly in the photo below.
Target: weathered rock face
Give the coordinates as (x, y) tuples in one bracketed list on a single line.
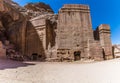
[(35, 31), (15, 5), (103, 34), (74, 19), (31, 10), (2, 51), (35, 9), (40, 35), (39, 7), (75, 34), (116, 51), (16, 27), (12, 25)]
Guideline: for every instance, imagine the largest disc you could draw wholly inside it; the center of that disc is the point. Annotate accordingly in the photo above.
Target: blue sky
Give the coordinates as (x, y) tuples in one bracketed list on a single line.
[(102, 12)]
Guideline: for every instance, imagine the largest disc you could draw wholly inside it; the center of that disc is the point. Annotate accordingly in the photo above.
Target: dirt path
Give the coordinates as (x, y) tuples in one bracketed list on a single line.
[(43, 72)]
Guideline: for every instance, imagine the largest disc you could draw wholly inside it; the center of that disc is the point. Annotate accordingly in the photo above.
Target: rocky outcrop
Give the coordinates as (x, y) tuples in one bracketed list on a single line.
[(15, 5), (116, 51), (12, 25), (14, 22), (41, 7), (31, 10), (35, 9)]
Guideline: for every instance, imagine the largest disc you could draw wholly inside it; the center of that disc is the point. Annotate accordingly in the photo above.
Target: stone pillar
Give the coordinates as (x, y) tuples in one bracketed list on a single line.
[(105, 40)]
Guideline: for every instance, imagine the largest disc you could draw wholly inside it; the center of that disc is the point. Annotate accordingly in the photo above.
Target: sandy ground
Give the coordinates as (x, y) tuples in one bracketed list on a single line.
[(44, 72)]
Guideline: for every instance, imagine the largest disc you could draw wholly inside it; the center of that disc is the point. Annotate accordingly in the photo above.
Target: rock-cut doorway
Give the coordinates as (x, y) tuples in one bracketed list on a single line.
[(77, 55)]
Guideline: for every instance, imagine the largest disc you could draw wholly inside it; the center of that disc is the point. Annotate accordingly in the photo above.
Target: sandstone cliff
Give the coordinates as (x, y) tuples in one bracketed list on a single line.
[(12, 24), (36, 9), (14, 21), (31, 10), (40, 7)]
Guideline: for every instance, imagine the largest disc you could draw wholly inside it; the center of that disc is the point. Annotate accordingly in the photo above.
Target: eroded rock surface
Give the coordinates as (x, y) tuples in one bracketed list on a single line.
[(12, 25), (39, 34)]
